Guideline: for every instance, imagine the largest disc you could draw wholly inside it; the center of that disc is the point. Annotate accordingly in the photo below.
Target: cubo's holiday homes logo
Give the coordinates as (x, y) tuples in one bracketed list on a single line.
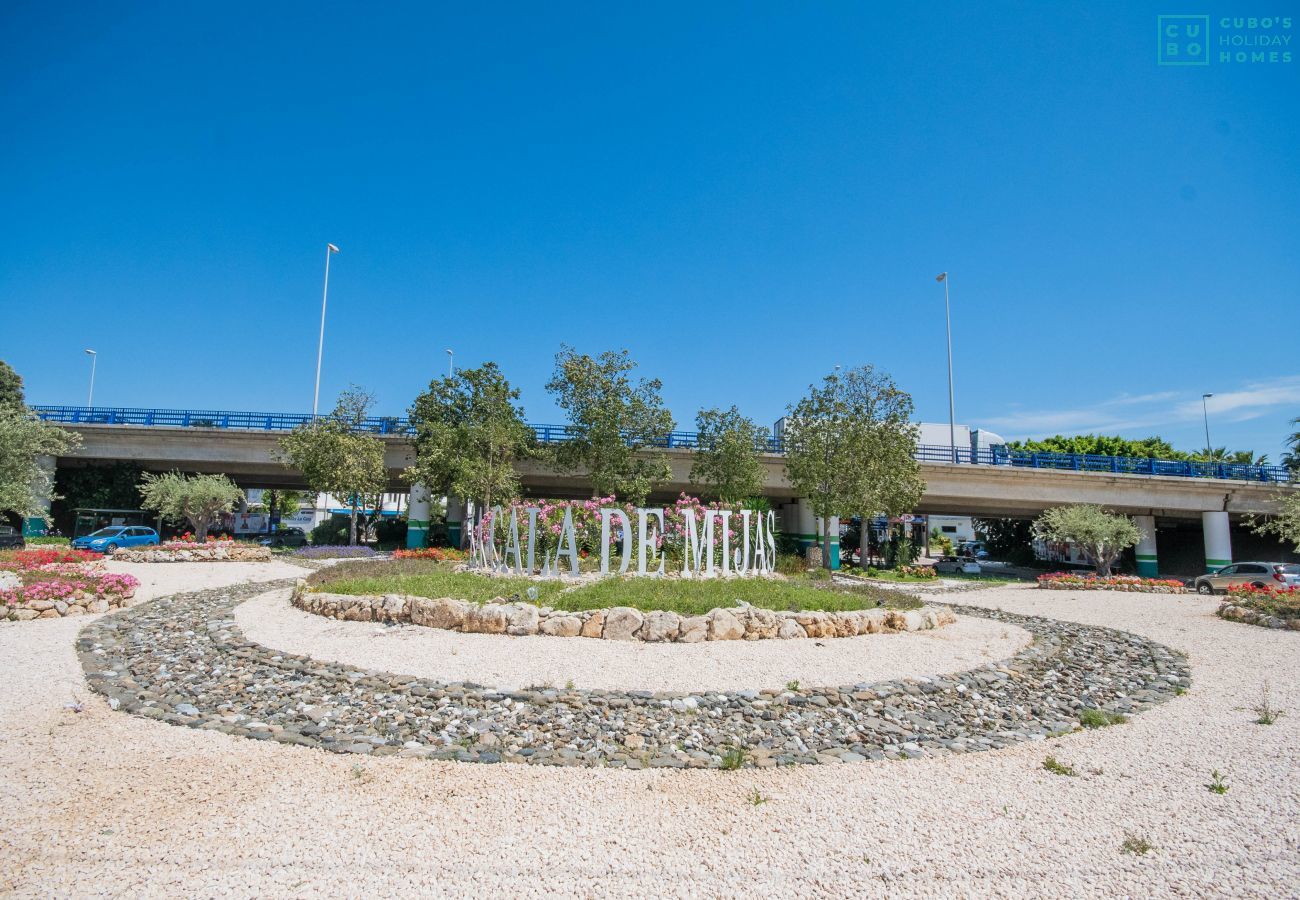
[(1198, 40)]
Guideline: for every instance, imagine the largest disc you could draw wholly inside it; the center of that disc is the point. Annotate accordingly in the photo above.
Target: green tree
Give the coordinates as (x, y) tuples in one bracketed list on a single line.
[(1099, 535), (1102, 445), (1292, 457), (26, 485), (1285, 523), (1236, 457), (469, 435), (198, 499), (11, 388), (281, 502), (727, 460), (849, 448), (1007, 539), (336, 457), (613, 421)]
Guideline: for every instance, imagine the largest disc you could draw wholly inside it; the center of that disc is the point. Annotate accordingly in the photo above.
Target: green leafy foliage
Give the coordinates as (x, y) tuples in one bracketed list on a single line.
[(335, 457), (11, 388), (1099, 535), (196, 499), (850, 447), (727, 462), (614, 423), (1285, 523), (25, 484), (1008, 539), (470, 432)]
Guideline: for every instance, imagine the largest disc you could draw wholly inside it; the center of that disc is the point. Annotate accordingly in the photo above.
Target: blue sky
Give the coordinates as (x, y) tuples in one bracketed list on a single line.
[(742, 194)]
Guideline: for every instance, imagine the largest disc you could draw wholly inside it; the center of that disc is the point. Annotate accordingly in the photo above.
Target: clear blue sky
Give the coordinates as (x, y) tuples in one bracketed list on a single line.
[(743, 195)]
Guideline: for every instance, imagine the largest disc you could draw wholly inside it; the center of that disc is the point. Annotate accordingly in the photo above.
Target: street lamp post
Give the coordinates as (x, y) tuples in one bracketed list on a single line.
[(94, 360), (451, 366), (952, 413), (320, 346), (1205, 412)]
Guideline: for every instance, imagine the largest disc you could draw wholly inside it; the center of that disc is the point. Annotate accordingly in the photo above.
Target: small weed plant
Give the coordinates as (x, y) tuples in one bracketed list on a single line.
[(1135, 844), (1216, 784), (1265, 710), (1100, 718), (755, 798), (1058, 768), (734, 759)]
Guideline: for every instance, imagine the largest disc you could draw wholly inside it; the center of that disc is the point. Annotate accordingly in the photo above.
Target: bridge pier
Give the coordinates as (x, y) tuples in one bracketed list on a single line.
[(455, 518), (1145, 551), (1218, 540), (35, 526), (417, 517)]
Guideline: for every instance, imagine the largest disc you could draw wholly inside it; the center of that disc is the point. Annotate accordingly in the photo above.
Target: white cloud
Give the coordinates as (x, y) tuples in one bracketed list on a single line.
[(1133, 412)]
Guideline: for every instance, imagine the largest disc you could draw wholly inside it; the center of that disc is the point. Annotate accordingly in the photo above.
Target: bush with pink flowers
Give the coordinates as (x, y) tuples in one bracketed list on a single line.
[(1074, 581), (49, 583)]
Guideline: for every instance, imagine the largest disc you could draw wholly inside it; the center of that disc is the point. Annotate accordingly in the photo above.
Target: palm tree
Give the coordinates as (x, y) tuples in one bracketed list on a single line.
[(1291, 459)]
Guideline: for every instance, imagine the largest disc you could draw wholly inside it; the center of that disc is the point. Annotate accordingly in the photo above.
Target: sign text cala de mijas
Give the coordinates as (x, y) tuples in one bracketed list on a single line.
[(714, 543)]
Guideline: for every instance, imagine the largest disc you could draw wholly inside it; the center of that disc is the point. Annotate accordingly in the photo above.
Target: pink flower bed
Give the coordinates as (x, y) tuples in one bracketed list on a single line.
[(1073, 581), (50, 584)]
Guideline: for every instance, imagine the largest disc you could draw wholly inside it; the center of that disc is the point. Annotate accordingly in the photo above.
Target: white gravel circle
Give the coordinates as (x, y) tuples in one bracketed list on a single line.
[(98, 803), (506, 662)]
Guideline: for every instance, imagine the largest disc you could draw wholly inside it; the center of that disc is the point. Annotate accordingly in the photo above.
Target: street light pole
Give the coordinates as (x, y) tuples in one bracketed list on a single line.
[(320, 346), (952, 413), (1206, 413), (94, 360), (451, 364)]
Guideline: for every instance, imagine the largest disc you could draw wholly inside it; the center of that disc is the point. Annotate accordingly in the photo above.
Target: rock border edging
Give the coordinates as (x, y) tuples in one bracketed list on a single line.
[(182, 660), (619, 623)]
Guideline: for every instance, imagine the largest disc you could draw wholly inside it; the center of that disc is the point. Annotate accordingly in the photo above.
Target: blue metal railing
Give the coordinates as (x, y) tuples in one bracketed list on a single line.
[(554, 434)]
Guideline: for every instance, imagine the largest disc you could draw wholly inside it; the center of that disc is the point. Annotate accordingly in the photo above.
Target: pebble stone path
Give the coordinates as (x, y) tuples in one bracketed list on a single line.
[(181, 659)]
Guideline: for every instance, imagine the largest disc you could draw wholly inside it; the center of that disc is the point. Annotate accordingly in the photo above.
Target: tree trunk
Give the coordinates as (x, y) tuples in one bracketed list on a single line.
[(200, 530), (826, 541), (352, 522)]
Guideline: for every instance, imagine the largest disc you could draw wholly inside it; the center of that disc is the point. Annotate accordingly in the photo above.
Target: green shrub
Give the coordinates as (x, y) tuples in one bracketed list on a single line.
[(332, 531), (44, 541)]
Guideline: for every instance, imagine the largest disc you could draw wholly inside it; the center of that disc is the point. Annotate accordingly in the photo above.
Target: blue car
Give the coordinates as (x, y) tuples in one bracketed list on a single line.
[(115, 537)]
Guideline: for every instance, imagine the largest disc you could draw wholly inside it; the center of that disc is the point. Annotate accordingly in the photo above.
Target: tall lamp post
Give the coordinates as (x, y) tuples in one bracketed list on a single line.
[(952, 413), (94, 360), (1205, 412), (451, 367), (320, 346)]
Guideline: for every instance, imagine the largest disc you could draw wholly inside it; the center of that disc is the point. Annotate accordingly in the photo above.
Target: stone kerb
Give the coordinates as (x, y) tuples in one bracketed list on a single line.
[(618, 623), (213, 552)]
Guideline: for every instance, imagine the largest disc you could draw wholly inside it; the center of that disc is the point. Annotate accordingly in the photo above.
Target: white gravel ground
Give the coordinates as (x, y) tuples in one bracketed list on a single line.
[(515, 662), (100, 803)]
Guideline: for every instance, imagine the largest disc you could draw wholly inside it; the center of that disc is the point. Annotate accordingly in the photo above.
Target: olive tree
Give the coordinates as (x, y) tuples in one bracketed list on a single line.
[(197, 499), (469, 433), (727, 461), (1101, 536), (1285, 523), (335, 456), (850, 448), (614, 422)]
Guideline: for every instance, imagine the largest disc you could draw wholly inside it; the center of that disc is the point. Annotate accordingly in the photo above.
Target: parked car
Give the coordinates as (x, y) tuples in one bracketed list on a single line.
[(116, 537), (285, 537), (11, 538), (1257, 574), (973, 550)]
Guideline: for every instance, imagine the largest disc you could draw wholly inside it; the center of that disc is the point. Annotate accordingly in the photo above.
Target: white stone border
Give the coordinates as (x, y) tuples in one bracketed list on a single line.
[(199, 553), (619, 623)]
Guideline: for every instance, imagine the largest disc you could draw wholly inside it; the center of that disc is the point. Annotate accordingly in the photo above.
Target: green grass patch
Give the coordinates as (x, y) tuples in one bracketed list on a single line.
[(426, 578), (1100, 718)]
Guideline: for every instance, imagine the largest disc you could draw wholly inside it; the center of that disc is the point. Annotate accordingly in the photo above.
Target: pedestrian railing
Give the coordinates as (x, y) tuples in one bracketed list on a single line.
[(686, 440)]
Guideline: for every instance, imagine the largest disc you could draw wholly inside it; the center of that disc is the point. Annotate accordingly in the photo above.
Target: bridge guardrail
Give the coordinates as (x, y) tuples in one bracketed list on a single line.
[(553, 434)]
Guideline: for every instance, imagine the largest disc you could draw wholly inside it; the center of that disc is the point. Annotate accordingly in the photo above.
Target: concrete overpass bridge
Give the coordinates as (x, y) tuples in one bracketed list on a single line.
[(995, 484)]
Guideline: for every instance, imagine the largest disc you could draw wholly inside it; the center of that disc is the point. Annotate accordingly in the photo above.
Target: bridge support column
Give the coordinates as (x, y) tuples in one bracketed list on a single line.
[(417, 517), (805, 524), (455, 518), (1218, 540), (1146, 547), (42, 488), (835, 538)]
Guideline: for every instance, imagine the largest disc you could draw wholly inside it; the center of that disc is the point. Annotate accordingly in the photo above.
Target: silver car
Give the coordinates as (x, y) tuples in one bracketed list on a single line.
[(1256, 574)]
